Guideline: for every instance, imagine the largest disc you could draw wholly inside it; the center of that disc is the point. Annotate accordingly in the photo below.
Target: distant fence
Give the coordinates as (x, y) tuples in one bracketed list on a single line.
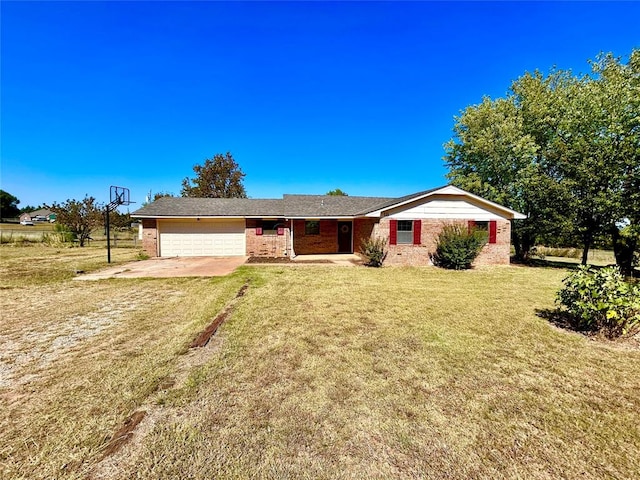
[(9, 235), (30, 235)]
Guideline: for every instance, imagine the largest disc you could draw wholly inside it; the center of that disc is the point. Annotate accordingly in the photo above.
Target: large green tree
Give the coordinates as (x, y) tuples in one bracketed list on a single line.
[(219, 177), (500, 151), (80, 217), (618, 88), (562, 149), (597, 151), (8, 205)]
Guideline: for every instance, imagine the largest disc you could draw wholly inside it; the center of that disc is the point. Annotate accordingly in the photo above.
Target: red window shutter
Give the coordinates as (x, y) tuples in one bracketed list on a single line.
[(258, 230), (393, 232), (471, 225), (417, 224), (492, 231), (280, 230)]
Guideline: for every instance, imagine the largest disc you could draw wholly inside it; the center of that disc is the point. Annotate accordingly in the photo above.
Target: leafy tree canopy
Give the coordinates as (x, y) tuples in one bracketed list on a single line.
[(337, 193), (30, 208), (80, 217), (563, 149), (8, 205), (158, 195), (152, 197), (219, 177)]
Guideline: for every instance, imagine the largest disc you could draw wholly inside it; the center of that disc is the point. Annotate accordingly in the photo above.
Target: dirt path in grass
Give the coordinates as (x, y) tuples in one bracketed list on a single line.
[(129, 439), (113, 464)]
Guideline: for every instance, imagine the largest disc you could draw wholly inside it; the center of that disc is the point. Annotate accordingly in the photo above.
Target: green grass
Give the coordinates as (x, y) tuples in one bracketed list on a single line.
[(320, 372)]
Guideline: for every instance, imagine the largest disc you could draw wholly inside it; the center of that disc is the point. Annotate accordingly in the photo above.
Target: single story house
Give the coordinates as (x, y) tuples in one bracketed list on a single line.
[(322, 224), (40, 215)]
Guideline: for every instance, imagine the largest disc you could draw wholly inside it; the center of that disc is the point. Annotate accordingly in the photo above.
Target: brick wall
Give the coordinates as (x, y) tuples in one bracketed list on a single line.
[(267, 245), (491, 254), (326, 242), (363, 229), (150, 236), (497, 253)]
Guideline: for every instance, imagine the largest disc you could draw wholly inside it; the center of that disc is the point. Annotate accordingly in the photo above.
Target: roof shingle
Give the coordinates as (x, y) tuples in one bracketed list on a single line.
[(211, 207)]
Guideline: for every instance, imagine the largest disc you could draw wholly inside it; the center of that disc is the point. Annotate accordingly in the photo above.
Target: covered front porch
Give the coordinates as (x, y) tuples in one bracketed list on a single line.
[(313, 236)]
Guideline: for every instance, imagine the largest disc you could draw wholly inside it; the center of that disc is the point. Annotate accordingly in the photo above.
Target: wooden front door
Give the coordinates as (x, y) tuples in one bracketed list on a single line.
[(344, 237)]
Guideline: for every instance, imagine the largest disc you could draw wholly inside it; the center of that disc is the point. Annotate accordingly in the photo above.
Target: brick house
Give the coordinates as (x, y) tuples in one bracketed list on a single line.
[(322, 224)]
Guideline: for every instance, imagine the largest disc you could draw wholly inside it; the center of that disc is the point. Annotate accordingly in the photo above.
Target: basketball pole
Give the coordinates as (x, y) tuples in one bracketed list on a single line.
[(117, 196), (108, 236)]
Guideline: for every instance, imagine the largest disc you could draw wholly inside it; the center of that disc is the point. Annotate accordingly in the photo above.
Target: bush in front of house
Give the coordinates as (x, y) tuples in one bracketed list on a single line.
[(457, 247), (600, 300), (374, 251)]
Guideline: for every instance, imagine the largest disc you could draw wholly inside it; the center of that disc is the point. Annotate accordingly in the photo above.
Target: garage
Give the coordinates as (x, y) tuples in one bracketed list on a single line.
[(202, 237)]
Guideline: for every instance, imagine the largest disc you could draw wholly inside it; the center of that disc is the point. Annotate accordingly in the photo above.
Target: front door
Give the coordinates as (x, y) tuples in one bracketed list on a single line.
[(344, 237)]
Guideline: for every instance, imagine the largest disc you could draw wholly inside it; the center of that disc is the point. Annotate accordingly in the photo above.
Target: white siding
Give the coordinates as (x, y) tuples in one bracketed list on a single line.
[(446, 209), (204, 238)]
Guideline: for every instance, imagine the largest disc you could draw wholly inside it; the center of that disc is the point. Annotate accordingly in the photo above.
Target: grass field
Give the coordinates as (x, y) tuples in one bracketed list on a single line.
[(320, 372), (43, 232)]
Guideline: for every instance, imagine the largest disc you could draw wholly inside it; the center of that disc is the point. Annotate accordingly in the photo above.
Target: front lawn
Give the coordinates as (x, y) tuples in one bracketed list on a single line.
[(323, 372)]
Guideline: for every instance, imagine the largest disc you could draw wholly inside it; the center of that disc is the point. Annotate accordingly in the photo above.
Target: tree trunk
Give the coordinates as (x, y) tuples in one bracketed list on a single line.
[(623, 249), (523, 243), (515, 238), (587, 241), (585, 251)]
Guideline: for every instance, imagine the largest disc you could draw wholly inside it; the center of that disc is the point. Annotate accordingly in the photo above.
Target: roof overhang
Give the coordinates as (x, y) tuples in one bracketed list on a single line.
[(450, 190), (328, 217), (177, 217)]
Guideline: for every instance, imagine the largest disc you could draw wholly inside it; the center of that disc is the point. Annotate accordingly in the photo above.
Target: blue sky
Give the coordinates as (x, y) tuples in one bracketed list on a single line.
[(307, 96)]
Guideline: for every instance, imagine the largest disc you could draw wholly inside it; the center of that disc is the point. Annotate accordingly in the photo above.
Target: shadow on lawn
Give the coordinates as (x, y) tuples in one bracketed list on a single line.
[(544, 263), (564, 321), (559, 318), (568, 265)]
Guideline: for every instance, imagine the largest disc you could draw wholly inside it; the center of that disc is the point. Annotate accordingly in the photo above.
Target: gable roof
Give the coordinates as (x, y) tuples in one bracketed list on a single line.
[(445, 190), (41, 212), (303, 206)]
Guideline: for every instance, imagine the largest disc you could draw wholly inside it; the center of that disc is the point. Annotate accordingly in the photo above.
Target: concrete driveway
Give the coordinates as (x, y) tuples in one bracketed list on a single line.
[(170, 267)]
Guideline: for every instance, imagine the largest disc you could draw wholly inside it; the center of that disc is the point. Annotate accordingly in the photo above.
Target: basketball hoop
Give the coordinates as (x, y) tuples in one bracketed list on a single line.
[(117, 196)]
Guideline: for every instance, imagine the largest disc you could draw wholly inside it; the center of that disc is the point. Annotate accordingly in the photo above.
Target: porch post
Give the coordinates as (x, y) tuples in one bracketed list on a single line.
[(293, 254)]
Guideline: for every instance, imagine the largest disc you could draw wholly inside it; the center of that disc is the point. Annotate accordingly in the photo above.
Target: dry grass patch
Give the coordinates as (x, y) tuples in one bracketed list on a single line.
[(328, 372), (77, 358), (37, 264)]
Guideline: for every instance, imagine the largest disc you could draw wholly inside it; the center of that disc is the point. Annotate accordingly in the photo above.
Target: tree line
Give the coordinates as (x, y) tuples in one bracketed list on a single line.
[(563, 149)]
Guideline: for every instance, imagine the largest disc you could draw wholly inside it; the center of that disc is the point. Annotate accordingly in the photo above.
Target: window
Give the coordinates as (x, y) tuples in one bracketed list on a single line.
[(312, 227), (270, 227), (487, 229), (483, 229), (405, 231)]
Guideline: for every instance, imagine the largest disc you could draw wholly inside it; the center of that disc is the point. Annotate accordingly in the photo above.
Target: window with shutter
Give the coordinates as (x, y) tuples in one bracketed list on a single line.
[(417, 231), (393, 232), (493, 231), (405, 232)]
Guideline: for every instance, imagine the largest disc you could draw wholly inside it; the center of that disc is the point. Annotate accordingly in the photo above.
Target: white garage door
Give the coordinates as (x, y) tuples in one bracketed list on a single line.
[(203, 238)]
